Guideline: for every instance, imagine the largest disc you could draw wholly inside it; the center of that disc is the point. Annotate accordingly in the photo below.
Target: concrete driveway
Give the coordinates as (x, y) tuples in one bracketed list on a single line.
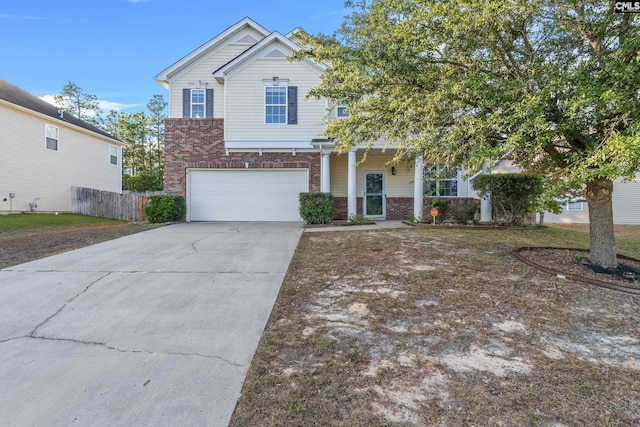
[(152, 329)]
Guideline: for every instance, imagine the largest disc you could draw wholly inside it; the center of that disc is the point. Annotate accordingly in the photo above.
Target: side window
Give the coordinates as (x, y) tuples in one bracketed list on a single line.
[(51, 137), (113, 154), (275, 104), (197, 103), (574, 206), (341, 111)]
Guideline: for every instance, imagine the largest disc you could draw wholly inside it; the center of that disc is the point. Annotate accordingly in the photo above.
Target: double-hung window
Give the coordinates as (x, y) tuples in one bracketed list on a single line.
[(441, 182), (197, 103), (275, 102), (113, 154), (51, 137)]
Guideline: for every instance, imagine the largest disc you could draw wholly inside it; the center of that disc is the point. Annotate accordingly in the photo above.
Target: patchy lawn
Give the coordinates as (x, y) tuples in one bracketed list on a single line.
[(25, 237), (443, 327)]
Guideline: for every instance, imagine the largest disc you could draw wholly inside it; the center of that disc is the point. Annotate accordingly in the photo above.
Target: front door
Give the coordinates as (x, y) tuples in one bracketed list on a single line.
[(374, 197)]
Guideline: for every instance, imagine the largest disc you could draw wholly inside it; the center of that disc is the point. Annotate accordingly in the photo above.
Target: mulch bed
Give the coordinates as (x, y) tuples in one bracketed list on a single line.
[(573, 263)]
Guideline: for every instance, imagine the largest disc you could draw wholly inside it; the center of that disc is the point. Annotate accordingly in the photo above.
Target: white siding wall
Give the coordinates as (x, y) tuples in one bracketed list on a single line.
[(203, 71), (626, 206), (31, 171), (246, 111)]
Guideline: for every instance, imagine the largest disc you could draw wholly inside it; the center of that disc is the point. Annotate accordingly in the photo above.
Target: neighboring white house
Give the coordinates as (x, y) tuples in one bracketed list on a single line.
[(45, 152), (242, 140), (626, 202)]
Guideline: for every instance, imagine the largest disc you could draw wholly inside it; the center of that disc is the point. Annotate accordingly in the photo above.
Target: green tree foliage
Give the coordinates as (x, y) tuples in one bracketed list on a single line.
[(74, 100), (143, 158), (142, 181), (157, 108), (552, 83), (513, 195)]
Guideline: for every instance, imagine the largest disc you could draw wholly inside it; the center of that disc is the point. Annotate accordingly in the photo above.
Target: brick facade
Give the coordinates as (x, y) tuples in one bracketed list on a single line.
[(401, 208), (199, 143)]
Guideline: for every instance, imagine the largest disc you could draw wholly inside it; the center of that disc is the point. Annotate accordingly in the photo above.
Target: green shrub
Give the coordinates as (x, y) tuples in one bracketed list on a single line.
[(316, 207), (513, 195), (359, 219), (467, 214), (441, 205), (165, 208)]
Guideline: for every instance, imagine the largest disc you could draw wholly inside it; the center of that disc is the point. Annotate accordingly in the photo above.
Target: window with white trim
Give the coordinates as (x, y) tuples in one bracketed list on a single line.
[(113, 154), (574, 205), (341, 111), (440, 182), (198, 97), (52, 134), (275, 104)]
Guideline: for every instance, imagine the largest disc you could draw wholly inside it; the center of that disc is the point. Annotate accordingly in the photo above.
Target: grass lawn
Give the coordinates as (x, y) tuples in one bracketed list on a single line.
[(25, 237), (443, 327), (24, 222)]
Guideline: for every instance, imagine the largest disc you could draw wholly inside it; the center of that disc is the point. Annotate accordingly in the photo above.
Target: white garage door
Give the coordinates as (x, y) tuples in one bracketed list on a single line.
[(245, 195)]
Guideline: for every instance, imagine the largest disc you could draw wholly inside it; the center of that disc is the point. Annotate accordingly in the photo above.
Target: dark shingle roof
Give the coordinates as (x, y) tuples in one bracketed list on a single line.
[(17, 96)]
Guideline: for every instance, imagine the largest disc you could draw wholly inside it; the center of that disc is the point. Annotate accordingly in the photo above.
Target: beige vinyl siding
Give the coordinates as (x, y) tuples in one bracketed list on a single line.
[(398, 185), (203, 71), (32, 171), (245, 119)]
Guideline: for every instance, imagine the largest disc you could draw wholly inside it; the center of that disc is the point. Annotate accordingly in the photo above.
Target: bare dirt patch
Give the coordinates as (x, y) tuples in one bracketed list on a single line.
[(442, 327), (30, 244)]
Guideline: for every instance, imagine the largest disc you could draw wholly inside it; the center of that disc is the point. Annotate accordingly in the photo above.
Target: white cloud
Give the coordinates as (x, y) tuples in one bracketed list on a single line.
[(110, 105), (4, 15), (105, 106), (49, 99)]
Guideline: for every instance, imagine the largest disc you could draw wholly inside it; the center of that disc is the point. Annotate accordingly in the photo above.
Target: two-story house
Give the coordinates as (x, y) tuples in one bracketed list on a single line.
[(242, 140), (46, 151)]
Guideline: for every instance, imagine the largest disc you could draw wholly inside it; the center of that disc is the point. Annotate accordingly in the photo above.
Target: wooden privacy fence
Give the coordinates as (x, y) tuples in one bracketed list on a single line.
[(127, 206)]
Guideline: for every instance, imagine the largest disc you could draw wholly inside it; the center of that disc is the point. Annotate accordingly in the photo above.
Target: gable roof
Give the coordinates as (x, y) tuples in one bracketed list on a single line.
[(166, 75), (14, 95), (254, 50)]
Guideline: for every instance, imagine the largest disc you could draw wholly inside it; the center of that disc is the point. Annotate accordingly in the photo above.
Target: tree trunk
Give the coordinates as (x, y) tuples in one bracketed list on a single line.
[(601, 236)]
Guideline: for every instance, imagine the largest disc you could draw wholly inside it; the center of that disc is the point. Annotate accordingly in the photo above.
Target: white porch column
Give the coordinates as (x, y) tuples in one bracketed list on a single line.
[(325, 171), (418, 188), (351, 185), (485, 202)]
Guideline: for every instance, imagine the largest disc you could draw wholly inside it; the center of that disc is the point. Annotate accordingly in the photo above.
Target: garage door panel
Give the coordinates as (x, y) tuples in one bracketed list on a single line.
[(246, 195)]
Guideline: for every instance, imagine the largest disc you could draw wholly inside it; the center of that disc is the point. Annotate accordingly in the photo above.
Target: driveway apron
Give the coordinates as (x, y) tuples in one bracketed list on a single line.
[(156, 328)]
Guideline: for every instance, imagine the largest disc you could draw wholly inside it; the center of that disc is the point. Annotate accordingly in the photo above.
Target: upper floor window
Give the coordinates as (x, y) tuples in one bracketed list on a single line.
[(275, 102), (197, 103), (51, 137), (280, 102), (341, 111), (441, 182), (113, 154)]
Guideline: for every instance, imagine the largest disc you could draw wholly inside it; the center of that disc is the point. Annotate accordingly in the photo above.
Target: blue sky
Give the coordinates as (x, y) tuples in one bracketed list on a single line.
[(114, 48)]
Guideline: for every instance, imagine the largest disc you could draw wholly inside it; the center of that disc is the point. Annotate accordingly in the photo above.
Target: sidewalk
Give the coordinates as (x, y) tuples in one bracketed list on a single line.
[(379, 225)]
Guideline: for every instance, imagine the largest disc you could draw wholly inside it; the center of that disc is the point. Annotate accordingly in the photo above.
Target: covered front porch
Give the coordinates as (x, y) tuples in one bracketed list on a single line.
[(377, 189)]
